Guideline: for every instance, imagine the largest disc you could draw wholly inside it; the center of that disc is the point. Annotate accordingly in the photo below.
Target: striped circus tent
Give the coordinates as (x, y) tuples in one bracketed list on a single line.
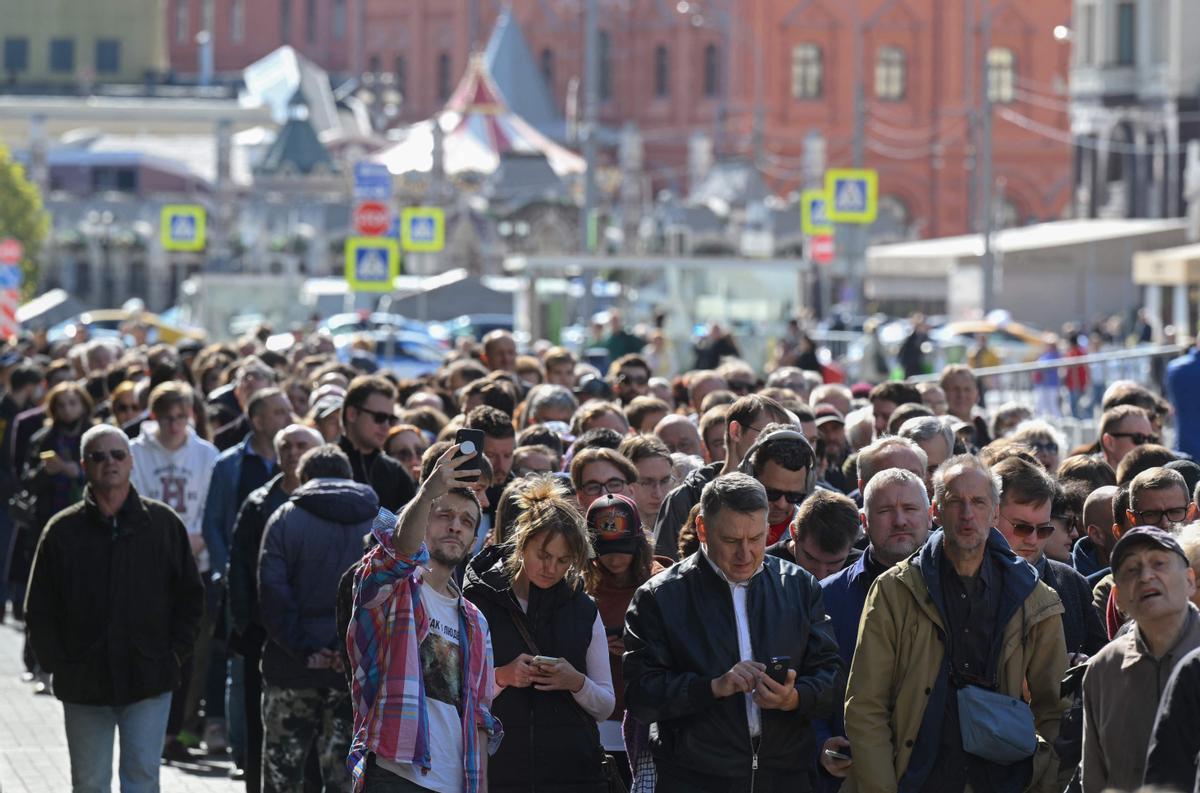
[(478, 128)]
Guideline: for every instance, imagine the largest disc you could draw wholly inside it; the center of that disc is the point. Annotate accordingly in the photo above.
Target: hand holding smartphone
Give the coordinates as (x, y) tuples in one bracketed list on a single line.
[(475, 438)]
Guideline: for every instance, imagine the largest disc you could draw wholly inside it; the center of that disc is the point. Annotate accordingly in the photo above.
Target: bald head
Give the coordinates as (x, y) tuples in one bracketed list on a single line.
[(679, 434), (1098, 520)]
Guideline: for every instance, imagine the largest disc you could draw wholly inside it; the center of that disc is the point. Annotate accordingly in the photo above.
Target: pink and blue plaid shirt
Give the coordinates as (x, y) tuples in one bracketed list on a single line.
[(388, 689)]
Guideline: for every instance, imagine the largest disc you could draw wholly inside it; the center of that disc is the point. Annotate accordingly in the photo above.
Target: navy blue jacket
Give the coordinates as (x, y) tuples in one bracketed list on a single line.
[(1084, 558), (308, 544)]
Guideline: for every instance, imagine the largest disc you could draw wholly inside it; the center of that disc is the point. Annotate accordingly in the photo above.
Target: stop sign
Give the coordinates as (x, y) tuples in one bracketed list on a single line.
[(372, 218), (11, 251)]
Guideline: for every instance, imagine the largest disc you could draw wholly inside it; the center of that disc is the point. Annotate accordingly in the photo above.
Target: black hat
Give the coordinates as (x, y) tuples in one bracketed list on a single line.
[(1141, 537)]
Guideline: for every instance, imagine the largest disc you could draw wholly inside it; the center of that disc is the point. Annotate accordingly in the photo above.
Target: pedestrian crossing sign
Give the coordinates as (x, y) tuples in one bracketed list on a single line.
[(423, 229), (853, 194), (372, 263), (814, 213), (181, 227)]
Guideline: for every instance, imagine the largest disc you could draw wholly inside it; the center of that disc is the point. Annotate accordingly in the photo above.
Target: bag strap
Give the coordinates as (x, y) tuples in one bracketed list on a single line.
[(519, 624)]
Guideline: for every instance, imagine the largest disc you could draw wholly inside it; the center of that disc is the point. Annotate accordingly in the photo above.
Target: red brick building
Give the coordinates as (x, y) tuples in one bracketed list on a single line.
[(677, 66)]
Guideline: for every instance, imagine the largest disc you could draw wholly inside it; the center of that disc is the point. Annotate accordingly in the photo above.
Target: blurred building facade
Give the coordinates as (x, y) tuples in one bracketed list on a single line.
[(1135, 102), (57, 44)]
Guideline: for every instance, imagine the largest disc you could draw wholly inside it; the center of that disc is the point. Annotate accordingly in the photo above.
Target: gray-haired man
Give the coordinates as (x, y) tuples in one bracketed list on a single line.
[(728, 646)]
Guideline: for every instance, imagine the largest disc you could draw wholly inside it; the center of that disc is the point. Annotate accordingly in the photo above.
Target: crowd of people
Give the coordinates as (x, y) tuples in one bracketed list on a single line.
[(522, 573)]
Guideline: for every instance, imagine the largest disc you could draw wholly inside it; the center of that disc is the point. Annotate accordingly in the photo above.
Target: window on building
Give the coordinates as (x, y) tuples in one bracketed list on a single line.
[(808, 71), (16, 55), (310, 21), (1002, 75), (285, 21), (891, 73), (662, 71), (182, 24), (712, 66), (443, 76), (62, 56), (605, 57), (400, 74), (1087, 34), (237, 21), (546, 65), (1126, 33), (339, 19), (108, 56)]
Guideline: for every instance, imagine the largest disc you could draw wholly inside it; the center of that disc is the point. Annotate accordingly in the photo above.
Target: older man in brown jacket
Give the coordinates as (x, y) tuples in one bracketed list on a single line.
[(964, 610)]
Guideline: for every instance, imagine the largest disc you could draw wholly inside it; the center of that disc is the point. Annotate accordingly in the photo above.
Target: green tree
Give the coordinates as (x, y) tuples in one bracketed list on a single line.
[(22, 217)]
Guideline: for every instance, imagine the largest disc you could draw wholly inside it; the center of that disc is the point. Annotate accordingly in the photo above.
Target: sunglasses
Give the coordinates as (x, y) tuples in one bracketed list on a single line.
[(1025, 529), (1047, 447), (792, 496), (379, 416), (116, 455), (633, 380), (1138, 438)]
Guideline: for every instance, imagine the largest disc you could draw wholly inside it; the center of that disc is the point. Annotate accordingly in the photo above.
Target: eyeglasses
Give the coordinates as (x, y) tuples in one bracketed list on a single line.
[(666, 483), (1138, 438), (1047, 447), (1025, 529), (379, 416), (793, 496), (741, 388), (633, 379), (1151, 517), (613, 485), (116, 455), (125, 407)]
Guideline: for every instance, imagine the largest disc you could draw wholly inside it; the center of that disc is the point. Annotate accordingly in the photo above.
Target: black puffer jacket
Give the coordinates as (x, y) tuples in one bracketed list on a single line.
[(681, 634), (551, 745), (385, 474), (308, 544), (114, 604)]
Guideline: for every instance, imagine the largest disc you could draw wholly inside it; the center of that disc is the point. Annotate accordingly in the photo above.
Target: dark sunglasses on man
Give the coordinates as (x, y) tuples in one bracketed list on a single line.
[(116, 455), (1138, 438), (1022, 529), (379, 416), (793, 496)]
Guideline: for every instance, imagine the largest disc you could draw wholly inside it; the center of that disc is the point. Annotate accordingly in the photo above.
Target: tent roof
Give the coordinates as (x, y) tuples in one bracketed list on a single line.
[(511, 64)]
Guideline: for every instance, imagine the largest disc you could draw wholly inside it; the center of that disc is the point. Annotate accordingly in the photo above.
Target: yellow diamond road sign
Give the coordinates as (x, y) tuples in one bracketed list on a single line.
[(423, 229), (814, 213), (853, 195), (372, 263), (181, 227)]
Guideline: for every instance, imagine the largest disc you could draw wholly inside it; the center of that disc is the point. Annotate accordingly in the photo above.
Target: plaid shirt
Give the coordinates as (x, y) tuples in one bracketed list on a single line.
[(388, 689)]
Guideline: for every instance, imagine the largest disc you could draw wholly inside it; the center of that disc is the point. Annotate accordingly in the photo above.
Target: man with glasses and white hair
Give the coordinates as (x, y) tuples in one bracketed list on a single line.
[(113, 609), (962, 620)]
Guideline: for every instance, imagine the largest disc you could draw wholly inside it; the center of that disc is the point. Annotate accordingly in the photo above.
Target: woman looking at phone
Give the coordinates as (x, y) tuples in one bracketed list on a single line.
[(623, 561), (553, 679)]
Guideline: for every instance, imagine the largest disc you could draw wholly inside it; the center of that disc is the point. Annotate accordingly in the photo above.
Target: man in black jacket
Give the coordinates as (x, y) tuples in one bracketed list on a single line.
[(368, 413), (747, 417), (113, 609), (731, 656)]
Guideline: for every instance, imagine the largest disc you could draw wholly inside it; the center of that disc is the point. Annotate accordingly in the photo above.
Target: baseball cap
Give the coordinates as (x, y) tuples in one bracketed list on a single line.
[(1142, 537), (592, 387), (827, 414), (327, 405), (614, 525), (327, 390)]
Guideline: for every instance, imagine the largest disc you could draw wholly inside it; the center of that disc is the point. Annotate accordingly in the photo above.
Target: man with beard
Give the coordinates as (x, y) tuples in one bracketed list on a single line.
[(407, 610)]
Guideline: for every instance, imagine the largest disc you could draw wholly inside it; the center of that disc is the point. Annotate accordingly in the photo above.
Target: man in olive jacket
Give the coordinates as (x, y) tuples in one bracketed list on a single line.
[(730, 656), (964, 610), (113, 608)]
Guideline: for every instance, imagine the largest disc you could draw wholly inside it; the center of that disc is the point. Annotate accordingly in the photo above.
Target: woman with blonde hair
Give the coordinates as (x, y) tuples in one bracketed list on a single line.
[(553, 680)]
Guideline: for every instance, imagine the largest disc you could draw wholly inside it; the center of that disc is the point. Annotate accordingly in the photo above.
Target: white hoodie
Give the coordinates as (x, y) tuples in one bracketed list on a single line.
[(179, 478)]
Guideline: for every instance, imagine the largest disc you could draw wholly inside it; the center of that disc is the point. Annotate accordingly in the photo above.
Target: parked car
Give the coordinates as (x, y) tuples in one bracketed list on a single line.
[(406, 353), (115, 322)]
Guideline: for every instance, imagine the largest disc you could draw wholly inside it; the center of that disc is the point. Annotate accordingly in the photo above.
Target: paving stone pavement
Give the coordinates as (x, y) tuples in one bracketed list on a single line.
[(33, 745)]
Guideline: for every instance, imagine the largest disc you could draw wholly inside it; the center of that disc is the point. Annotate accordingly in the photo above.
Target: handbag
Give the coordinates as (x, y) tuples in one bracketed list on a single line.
[(994, 726), (612, 775)]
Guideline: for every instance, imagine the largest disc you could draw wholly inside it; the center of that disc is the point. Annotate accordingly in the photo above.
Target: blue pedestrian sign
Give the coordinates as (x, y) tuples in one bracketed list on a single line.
[(423, 229), (814, 213), (10, 277), (853, 195), (182, 227), (372, 181), (372, 263)]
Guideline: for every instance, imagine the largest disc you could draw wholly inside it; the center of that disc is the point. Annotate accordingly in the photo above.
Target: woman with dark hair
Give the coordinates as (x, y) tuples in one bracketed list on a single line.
[(52, 476), (623, 560), (553, 679)]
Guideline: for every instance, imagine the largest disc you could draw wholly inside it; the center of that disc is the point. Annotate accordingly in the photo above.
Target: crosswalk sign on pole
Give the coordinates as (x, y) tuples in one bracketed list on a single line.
[(423, 229), (182, 227), (814, 213), (853, 195), (372, 263)]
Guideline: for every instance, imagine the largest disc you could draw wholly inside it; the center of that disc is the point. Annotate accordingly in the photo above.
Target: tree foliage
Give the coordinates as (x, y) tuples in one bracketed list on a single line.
[(22, 217)]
